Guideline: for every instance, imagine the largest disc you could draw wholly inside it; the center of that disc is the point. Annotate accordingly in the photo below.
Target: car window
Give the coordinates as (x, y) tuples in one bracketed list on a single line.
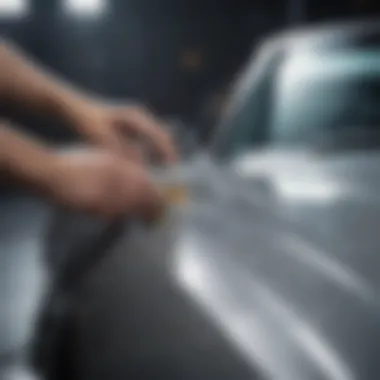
[(305, 96), (330, 94)]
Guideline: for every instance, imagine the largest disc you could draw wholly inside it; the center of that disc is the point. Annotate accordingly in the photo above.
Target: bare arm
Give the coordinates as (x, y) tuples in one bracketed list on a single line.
[(24, 160), (25, 83)]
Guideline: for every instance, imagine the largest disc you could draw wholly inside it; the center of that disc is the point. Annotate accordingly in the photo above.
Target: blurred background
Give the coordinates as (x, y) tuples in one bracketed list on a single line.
[(177, 56)]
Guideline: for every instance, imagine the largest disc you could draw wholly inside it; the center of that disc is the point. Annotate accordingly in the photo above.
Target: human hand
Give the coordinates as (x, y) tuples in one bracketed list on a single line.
[(104, 184), (118, 127)]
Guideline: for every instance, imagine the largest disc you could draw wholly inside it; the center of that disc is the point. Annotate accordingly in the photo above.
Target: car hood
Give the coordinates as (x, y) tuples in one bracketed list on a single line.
[(281, 250)]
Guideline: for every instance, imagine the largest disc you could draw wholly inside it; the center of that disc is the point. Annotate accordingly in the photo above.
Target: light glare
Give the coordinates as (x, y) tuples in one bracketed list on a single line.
[(14, 8), (86, 7), (303, 189)]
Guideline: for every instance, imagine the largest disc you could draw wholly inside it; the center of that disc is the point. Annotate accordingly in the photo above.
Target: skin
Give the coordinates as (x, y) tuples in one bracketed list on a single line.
[(108, 179)]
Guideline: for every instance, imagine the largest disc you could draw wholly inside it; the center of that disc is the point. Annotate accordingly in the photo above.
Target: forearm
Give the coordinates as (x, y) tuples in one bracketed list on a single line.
[(23, 159), (25, 83)]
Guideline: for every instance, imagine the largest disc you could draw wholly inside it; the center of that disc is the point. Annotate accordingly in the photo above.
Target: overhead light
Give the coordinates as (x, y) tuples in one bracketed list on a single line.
[(86, 8), (14, 8)]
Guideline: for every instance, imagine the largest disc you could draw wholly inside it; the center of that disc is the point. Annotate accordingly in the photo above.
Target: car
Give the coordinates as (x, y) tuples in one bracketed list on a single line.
[(268, 267)]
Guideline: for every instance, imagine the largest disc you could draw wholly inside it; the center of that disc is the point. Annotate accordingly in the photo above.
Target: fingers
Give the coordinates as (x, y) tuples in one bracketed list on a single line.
[(153, 206), (144, 124), (146, 200), (135, 153), (114, 141), (108, 138)]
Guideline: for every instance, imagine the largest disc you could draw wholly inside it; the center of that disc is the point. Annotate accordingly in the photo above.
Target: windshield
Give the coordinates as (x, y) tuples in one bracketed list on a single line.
[(306, 96)]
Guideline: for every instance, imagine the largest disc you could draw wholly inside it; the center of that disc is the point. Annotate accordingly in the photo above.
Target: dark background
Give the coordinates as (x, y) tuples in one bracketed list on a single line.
[(169, 54)]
